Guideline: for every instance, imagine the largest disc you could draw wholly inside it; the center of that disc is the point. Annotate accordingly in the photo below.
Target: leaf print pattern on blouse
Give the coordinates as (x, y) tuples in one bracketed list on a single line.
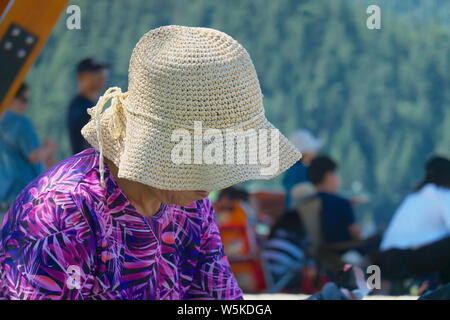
[(64, 219)]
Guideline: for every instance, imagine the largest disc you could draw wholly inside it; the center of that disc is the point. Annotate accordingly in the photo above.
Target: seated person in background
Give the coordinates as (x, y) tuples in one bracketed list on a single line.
[(417, 240), (337, 217), (226, 202), (237, 226), (286, 247), (22, 157), (228, 196), (308, 145), (236, 219)]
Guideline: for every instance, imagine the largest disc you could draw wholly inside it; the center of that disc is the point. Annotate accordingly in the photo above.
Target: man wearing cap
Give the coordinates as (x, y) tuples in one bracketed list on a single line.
[(91, 77), (308, 145)]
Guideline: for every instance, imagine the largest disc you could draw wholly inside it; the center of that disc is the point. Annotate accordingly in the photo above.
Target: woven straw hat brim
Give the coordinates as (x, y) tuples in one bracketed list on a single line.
[(157, 169)]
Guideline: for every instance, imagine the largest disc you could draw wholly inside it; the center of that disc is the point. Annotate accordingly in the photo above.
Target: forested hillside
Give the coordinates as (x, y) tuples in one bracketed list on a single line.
[(417, 12), (380, 98)]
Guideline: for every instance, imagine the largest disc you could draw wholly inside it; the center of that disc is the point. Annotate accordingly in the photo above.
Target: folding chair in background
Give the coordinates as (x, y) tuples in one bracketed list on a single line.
[(327, 255)]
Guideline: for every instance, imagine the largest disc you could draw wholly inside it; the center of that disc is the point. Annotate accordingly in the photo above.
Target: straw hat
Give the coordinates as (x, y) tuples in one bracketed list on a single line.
[(177, 76)]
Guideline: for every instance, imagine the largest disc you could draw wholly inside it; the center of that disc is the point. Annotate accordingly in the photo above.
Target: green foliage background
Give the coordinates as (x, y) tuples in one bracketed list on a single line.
[(380, 98)]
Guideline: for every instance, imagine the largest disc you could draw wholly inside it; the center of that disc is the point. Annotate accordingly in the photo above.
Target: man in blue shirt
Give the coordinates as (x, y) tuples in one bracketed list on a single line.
[(22, 157), (91, 76), (337, 216), (308, 145)]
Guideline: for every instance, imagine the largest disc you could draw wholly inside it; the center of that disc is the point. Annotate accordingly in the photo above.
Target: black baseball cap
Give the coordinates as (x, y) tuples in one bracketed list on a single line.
[(90, 64)]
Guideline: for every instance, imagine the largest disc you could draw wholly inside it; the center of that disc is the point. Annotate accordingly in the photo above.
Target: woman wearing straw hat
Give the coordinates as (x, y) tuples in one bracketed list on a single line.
[(123, 220)]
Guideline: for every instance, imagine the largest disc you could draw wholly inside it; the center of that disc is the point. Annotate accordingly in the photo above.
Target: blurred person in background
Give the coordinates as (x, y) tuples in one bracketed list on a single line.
[(417, 240), (234, 202), (91, 76), (233, 208), (308, 145), (284, 253), (337, 217), (227, 201), (232, 198), (237, 223), (22, 157), (227, 198)]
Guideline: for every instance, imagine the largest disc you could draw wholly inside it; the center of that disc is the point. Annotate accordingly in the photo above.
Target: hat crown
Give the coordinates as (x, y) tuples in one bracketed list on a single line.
[(186, 74), (177, 76)]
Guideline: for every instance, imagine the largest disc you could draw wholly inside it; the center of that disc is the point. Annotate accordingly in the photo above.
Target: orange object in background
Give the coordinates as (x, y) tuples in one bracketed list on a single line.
[(235, 232), (235, 241), (30, 22), (249, 275), (238, 236), (240, 243)]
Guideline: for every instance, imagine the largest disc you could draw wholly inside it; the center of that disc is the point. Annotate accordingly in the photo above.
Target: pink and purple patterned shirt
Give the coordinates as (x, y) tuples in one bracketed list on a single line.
[(67, 238)]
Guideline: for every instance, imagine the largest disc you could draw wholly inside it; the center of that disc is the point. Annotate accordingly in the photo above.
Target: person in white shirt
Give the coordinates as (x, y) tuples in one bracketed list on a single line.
[(417, 240)]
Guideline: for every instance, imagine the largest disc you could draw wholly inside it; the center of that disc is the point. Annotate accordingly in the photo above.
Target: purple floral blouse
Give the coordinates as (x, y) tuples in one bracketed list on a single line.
[(67, 238)]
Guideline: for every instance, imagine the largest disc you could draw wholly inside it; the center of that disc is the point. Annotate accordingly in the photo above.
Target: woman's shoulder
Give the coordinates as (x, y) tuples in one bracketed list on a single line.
[(14, 124), (35, 216), (433, 188), (67, 174), (53, 194), (425, 198), (432, 192)]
